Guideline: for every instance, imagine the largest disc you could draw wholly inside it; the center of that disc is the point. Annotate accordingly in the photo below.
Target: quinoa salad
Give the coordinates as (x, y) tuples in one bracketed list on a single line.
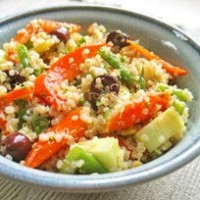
[(90, 103)]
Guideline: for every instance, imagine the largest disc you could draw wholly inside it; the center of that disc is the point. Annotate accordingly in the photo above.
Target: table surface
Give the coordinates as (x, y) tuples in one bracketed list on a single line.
[(183, 184)]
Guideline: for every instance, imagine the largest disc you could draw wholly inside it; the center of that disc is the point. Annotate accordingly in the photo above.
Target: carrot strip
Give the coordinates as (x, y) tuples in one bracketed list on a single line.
[(22, 93), (66, 68), (43, 150), (24, 35), (49, 25), (139, 50), (2, 122), (138, 112)]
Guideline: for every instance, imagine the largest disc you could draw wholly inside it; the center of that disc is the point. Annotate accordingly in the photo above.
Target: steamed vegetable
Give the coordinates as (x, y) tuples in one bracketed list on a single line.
[(89, 163), (181, 94), (40, 123), (23, 55), (2, 122), (22, 93), (161, 129), (115, 62), (43, 150), (179, 106), (105, 150), (136, 50), (138, 112), (67, 67)]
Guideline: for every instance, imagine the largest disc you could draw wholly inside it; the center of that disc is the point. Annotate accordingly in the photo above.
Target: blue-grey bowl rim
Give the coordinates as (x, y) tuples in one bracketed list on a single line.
[(104, 182)]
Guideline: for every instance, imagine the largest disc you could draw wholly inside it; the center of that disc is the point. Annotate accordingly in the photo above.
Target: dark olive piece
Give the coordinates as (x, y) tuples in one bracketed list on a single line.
[(118, 39), (109, 84), (15, 79), (62, 33), (16, 145)]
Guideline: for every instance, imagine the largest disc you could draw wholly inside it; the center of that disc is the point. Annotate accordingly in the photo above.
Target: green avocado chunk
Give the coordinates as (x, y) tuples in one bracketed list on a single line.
[(159, 130), (89, 163), (105, 150)]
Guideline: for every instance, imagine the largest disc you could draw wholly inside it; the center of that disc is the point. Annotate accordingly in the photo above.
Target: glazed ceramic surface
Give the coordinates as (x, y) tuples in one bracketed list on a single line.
[(171, 44)]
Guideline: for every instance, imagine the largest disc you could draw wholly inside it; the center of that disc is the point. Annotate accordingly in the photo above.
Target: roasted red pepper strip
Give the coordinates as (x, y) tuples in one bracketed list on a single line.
[(2, 122), (66, 67), (43, 150), (46, 25), (22, 93), (24, 35), (138, 112), (139, 50), (49, 25), (11, 57)]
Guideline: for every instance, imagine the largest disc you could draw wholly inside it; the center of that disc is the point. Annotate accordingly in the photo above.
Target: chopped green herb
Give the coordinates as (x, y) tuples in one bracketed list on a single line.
[(20, 116), (40, 123), (39, 71), (21, 103), (29, 44), (82, 41), (82, 101)]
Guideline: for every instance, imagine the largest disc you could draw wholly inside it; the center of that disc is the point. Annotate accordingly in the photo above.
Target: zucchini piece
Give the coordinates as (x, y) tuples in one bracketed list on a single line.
[(158, 131), (105, 150), (90, 164), (124, 93), (179, 106)]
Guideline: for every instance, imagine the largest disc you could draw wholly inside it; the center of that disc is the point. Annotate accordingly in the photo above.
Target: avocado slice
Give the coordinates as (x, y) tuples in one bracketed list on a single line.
[(90, 164), (159, 130), (105, 150)]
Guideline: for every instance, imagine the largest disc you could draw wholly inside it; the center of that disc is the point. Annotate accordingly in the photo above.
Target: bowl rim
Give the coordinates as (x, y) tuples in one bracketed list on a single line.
[(104, 182)]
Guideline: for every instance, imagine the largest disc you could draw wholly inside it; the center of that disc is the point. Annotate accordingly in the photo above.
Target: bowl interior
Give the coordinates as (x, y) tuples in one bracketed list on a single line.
[(170, 44)]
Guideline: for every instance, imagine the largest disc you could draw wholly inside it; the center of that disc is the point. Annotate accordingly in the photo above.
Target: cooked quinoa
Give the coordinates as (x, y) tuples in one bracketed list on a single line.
[(86, 103)]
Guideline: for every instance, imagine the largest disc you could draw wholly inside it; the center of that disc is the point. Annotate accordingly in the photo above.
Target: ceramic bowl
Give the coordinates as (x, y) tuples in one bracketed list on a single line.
[(171, 44)]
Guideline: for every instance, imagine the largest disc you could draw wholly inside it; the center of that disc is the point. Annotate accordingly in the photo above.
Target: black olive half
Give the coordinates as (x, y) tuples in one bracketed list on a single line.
[(109, 84), (62, 33), (17, 145), (118, 39), (15, 79)]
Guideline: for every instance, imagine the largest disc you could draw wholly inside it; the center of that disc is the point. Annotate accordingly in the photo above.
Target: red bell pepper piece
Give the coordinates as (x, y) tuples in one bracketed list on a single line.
[(141, 51), (76, 127), (49, 25), (138, 112), (2, 122), (43, 150), (24, 35), (46, 25), (11, 57), (22, 93), (66, 67)]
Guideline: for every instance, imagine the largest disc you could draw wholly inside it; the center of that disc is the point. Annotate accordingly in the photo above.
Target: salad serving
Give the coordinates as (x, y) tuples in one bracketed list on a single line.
[(89, 103)]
